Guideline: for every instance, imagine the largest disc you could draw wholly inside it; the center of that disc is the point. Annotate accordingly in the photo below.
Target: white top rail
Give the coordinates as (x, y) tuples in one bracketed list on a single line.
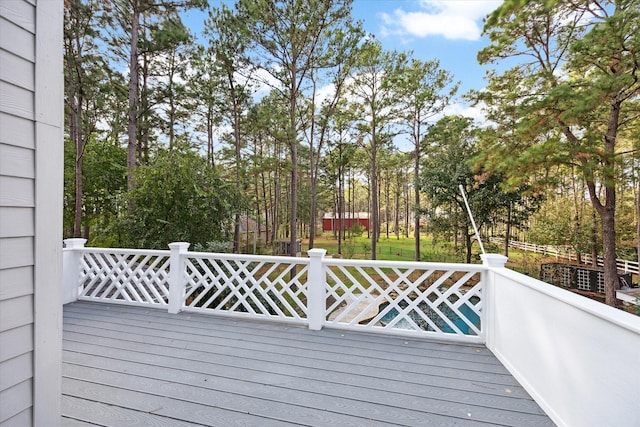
[(152, 252), (247, 257), (403, 264)]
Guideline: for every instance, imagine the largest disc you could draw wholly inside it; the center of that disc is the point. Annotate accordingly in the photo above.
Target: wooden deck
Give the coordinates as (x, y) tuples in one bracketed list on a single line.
[(127, 365)]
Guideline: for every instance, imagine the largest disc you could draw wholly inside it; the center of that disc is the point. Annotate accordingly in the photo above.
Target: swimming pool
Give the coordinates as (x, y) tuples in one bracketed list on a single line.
[(469, 317)]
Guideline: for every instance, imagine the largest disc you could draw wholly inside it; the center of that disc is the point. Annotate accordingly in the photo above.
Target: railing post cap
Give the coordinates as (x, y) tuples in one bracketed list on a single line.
[(494, 260), (179, 245), (74, 243), (316, 252)]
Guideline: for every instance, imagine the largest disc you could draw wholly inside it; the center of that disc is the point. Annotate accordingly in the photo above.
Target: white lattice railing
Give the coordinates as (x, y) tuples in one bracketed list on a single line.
[(270, 287), (127, 276), (404, 298)]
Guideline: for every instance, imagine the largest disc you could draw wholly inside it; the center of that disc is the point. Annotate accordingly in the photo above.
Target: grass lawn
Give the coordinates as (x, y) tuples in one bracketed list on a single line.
[(403, 249)]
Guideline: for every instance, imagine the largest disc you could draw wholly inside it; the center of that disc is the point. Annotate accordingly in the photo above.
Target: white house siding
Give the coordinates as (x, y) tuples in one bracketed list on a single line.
[(30, 211)]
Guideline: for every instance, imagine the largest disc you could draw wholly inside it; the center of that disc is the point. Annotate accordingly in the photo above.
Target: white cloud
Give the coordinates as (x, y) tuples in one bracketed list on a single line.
[(453, 20), (473, 112)]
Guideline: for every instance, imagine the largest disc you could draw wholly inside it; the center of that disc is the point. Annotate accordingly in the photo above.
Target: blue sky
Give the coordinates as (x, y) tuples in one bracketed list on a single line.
[(446, 30)]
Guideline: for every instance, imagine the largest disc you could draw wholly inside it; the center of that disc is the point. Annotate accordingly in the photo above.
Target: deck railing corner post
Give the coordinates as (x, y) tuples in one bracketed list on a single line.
[(494, 260), (177, 275), (316, 296), (71, 269), (489, 315)]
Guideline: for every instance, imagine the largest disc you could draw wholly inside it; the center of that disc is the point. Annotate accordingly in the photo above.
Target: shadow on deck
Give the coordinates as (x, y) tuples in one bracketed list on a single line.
[(126, 365)]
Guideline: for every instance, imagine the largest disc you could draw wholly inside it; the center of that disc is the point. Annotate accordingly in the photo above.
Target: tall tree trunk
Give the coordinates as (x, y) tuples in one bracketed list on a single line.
[(266, 206), (375, 214), (132, 126), (75, 124), (609, 254), (606, 211), (638, 220), (467, 242), (594, 239), (313, 176), (406, 210), (507, 237), (237, 142), (293, 146), (172, 103), (387, 190), (577, 219), (416, 185), (396, 217), (210, 148)]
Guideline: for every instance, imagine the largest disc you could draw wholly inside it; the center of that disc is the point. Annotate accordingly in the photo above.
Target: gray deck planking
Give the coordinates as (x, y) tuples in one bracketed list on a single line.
[(127, 365)]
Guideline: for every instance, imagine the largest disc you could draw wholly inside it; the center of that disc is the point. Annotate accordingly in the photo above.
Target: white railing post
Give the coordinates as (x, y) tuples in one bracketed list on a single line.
[(71, 269), (494, 260), (316, 293), (489, 316), (176, 276)]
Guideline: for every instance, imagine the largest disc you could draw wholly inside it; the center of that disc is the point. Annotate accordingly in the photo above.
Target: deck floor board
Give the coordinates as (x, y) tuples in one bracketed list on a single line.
[(133, 364)]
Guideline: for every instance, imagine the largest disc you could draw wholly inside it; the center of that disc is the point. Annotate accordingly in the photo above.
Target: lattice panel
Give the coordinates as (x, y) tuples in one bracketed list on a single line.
[(256, 287), (405, 299), (125, 277)]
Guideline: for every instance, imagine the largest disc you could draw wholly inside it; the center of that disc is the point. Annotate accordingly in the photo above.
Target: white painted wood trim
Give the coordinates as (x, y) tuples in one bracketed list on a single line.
[(48, 214), (316, 290)]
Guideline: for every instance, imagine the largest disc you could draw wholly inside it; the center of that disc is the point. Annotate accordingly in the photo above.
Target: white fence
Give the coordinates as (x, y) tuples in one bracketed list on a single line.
[(412, 299), (576, 357), (566, 253)]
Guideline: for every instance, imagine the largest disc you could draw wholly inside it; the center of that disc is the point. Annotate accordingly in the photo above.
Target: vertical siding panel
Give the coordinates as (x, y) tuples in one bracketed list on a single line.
[(49, 162)]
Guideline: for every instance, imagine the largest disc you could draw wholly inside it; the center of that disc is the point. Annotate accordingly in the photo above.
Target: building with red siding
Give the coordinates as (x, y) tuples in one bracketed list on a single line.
[(331, 222)]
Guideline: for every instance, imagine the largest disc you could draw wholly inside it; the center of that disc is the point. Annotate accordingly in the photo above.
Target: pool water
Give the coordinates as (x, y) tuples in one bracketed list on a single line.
[(466, 311)]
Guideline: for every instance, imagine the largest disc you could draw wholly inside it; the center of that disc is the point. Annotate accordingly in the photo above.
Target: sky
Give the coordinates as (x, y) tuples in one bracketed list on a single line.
[(449, 31)]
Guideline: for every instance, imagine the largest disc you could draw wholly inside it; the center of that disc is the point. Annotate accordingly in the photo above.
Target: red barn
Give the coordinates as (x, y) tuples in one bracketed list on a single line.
[(331, 222)]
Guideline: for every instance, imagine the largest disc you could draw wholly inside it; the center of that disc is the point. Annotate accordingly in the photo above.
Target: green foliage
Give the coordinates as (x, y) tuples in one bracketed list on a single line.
[(215, 246), (366, 247), (356, 230), (569, 99), (451, 148), (348, 249), (178, 197), (104, 183)]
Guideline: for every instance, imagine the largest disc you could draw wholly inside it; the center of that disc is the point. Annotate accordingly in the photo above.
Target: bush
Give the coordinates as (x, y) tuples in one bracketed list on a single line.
[(214, 246), (178, 197), (356, 230)]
